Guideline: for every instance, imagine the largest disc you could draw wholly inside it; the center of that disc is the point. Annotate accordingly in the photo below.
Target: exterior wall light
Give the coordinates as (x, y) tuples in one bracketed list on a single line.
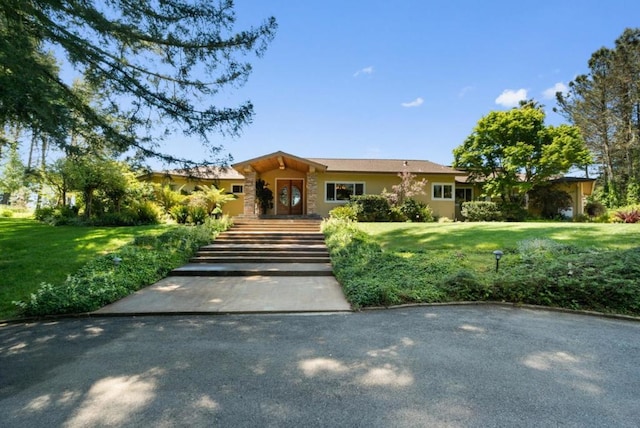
[(498, 254)]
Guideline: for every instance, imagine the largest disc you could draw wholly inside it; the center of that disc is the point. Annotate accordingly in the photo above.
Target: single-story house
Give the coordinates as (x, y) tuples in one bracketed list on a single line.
[(314, 186), (577, 187)]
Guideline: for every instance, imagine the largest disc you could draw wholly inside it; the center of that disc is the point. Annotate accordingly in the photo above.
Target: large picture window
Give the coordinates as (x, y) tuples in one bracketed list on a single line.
[(442, 191), (335, 191)]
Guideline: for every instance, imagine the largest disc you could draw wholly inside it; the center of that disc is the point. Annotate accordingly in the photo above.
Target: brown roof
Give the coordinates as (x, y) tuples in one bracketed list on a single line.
[(385, 165), (207, 172), (285, 160)]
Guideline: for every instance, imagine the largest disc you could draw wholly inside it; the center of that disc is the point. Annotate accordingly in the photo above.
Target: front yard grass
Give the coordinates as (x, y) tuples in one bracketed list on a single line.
[(573, 265), (484, 237), (32, 253)]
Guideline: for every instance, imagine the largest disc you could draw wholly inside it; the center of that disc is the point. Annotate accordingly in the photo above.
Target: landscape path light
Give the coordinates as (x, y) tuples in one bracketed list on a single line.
[(116, 261), (498, 254)]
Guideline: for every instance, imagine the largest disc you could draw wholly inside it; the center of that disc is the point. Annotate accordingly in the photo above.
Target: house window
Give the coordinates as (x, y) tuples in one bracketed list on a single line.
[(442, 191), (237, 189), (342, 191), (464, 194)]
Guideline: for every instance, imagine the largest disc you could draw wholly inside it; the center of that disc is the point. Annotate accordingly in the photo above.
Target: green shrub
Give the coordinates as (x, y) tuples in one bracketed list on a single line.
[(59, 216), (481, 211), (198, 214), (606, 282), (166, 197), (465, 285), (43, 214), (372, 207), (180, 214), (549, 201), (345, 212), (125, 218), (218, 225), (594, 209), (397, 215), (512, 211), (352, 253), (6, 213), (416, 211), (146, 212), (143, 262)]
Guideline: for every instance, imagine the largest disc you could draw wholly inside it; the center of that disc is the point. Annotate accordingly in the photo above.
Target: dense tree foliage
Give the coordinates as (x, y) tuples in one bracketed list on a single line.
[(512, 151), (605, 105), (156, 64)]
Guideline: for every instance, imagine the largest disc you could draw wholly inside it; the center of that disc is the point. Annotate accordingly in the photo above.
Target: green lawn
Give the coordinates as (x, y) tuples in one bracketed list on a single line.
[(486, 237), (32, 253), (570, 265)]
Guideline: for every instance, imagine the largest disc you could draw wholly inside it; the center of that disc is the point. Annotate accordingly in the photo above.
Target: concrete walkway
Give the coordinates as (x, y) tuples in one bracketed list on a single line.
[(259, 266)]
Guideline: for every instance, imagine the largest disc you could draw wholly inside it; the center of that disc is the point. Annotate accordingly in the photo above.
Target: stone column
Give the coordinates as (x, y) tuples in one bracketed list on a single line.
[(249, 194), (312, 193)]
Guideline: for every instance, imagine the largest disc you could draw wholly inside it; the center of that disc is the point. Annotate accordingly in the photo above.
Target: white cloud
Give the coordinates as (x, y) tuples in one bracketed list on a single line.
[(415, 103), (464, 91), (511, 98), (366, 70), (550, 94)]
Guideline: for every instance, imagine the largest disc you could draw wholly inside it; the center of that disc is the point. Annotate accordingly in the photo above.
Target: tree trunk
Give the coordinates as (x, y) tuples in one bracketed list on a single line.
[(43, 166), (34, 140), (88, 201)]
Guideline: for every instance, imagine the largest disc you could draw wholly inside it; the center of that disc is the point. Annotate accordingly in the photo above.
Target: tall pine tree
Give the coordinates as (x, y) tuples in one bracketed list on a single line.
[(605, 105), (158, 65)]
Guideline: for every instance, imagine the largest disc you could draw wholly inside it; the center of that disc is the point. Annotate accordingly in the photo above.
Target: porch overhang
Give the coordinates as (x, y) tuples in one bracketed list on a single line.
[(278, 160)]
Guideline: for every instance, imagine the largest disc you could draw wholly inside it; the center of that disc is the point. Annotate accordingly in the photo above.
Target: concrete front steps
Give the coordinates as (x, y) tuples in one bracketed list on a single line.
[(266, 247), (263, 266)]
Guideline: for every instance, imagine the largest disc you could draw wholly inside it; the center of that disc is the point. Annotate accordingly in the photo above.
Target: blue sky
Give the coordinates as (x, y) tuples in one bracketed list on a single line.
[(406, 79)]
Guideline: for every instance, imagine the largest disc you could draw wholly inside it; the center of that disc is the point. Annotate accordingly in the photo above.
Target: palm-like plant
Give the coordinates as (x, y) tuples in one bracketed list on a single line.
[(214, 198)]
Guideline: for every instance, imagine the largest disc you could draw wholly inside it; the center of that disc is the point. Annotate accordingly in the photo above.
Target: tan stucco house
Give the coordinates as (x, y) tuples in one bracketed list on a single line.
[(314, 186)]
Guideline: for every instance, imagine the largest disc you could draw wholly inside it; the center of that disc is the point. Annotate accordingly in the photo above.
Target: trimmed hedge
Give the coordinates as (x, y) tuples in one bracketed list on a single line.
[(481, 211), (372, 207)]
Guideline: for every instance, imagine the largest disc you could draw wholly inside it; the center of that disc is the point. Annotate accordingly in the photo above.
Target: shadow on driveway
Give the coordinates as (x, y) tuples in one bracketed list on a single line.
[(444, 366)]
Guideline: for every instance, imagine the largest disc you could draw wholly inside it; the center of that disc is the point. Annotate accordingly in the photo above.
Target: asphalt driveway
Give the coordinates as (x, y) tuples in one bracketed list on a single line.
[(475, 366)]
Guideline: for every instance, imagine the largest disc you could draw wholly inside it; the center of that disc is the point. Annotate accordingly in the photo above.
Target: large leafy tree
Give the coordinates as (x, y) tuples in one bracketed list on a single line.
[(513, 151), (605, 105), (157, 64)]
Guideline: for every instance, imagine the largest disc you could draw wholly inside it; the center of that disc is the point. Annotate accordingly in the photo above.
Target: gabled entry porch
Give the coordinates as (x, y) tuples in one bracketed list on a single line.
[(293, 181)]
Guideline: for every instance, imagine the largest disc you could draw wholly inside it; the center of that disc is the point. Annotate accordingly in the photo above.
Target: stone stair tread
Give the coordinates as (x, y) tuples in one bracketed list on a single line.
[(268, 241), (269, 247), (264, 259), (211, 251), (256, 255), (247, 269), (299, 236)]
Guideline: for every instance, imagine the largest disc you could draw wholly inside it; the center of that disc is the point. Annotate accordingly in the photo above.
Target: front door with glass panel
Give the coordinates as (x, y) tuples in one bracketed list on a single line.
[(289, 197)]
